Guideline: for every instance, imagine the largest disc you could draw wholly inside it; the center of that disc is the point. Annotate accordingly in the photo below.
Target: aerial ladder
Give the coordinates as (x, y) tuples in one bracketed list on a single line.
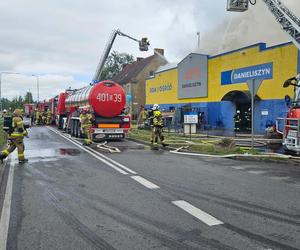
[(143, 46), (288, 21)]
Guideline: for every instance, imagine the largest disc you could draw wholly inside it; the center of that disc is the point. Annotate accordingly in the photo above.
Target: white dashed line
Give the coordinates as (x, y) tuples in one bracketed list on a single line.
[(256, 172), (144, 182), (198, 213)]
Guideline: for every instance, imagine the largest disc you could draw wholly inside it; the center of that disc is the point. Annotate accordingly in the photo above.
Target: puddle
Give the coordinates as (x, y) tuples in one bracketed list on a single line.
[(69, 151)]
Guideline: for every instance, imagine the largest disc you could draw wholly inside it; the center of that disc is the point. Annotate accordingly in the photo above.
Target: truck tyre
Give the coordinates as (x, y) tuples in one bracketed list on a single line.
[(72, 128), (76, 129)]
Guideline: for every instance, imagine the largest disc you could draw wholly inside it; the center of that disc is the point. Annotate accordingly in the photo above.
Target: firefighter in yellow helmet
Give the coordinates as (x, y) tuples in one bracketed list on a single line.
[(157, 128), (37, 116), (86, 120), (49, 117), (16, 137)]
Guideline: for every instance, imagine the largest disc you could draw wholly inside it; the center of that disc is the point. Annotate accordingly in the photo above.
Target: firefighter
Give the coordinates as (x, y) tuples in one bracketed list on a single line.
[(4, 113), (157, 127), (16, 137), (86, 120), (44, 117), (248, 119), (142, 117), (37, 117), (49, 117), (237, 121)]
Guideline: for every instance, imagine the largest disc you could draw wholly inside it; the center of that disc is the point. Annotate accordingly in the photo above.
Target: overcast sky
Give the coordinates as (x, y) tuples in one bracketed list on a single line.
[(62, 40)]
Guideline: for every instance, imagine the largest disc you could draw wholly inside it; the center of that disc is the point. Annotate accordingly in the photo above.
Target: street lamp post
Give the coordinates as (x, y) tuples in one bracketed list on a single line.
[(37, 86), (2, 73), (198, 35)]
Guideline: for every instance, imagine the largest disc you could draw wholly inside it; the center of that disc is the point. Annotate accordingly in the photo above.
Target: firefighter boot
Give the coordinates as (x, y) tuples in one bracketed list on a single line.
[(23, 161), (2, 157)]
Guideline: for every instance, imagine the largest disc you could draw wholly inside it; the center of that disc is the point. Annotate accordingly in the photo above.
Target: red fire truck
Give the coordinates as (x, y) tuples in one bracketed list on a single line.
[(105, 100), (291, 127)]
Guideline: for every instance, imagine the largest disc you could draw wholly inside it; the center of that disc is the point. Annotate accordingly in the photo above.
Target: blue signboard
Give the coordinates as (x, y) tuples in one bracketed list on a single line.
[(242, 75)]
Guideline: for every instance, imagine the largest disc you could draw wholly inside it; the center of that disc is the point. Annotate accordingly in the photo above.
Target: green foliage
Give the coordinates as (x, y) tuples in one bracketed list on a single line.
[(114, 64), (2, 135), (28, 98), (16, 102)]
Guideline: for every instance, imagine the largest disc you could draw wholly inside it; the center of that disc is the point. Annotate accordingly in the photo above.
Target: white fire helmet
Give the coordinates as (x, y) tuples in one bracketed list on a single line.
[(155, 107), (238, 111)]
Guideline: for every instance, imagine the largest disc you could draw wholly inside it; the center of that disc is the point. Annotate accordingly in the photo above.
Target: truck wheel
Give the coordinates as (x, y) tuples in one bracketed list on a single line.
[(76, 129), (60, 123), (79, 130), (72, 128)]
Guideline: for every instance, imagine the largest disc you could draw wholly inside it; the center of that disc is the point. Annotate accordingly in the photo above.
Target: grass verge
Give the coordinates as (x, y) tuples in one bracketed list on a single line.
[(205, 146), (2, 134)]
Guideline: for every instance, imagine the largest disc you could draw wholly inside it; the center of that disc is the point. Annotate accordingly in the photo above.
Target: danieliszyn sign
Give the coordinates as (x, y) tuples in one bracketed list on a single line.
[(192, 76), (242, 75)]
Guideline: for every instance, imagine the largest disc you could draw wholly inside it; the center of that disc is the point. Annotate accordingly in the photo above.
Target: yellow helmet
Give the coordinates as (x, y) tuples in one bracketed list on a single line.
[(17, 112), (157, 113)]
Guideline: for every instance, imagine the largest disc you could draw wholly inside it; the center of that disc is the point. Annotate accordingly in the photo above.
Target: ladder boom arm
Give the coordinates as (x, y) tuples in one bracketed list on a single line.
[(144, 43)]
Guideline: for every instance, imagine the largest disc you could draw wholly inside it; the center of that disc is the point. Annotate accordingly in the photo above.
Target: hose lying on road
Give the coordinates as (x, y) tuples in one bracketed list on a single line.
[(269, 155)]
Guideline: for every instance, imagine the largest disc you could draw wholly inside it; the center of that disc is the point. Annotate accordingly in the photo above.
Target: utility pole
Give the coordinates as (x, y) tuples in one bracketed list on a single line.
[(37, 86), (198, 35)]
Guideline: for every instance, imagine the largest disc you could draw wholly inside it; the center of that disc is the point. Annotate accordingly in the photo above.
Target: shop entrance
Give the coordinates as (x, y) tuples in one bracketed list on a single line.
[(242, 112)]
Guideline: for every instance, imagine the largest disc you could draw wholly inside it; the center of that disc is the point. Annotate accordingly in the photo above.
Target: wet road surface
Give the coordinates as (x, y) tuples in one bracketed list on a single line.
[(73, 197)]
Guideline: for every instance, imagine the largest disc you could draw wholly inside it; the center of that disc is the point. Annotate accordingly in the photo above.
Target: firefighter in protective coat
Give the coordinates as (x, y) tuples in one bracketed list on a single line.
[(16, 137), (157, 128), (237, 121), (86, 120), (49, 117)]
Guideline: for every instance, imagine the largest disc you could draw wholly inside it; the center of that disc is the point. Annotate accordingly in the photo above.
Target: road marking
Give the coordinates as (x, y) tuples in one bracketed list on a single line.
[(198, 213), (256, 172), (238, 168), (5, 215), (114, 162), (101, 155), (91, 153), (144, 182)]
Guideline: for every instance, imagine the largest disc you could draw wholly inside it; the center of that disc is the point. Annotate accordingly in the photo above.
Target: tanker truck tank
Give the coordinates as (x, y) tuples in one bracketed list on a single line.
[(107, 99)]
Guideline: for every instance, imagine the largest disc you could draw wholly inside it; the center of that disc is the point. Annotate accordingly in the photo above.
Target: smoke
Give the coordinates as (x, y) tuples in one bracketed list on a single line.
[(247, 28)]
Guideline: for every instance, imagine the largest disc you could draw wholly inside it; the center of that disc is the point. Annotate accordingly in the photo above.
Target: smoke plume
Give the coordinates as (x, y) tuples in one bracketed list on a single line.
[(247, 28)]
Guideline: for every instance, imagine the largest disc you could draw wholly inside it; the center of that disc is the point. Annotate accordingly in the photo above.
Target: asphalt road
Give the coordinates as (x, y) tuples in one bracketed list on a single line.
[(74, 197)]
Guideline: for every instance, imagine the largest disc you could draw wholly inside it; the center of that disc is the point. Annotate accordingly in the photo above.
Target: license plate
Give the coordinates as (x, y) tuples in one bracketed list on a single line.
[(109, 131)]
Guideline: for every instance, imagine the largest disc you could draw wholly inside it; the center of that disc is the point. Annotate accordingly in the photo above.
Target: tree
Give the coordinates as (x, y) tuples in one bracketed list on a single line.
[(28, 97), (114, 64)]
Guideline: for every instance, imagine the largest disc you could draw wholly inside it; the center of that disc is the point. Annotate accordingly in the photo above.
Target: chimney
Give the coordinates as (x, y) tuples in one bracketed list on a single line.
[(160, 51), (138, 59)]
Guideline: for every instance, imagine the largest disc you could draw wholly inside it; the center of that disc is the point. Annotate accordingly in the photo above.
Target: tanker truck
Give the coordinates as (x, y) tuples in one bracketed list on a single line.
[(105, 100)]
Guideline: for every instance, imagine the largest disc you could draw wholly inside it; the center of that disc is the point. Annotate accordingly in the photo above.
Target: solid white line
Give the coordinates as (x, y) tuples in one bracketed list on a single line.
[(91, 153), (198, 213), (145, 182), (114, 162), (103, 156), (5, 215)]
